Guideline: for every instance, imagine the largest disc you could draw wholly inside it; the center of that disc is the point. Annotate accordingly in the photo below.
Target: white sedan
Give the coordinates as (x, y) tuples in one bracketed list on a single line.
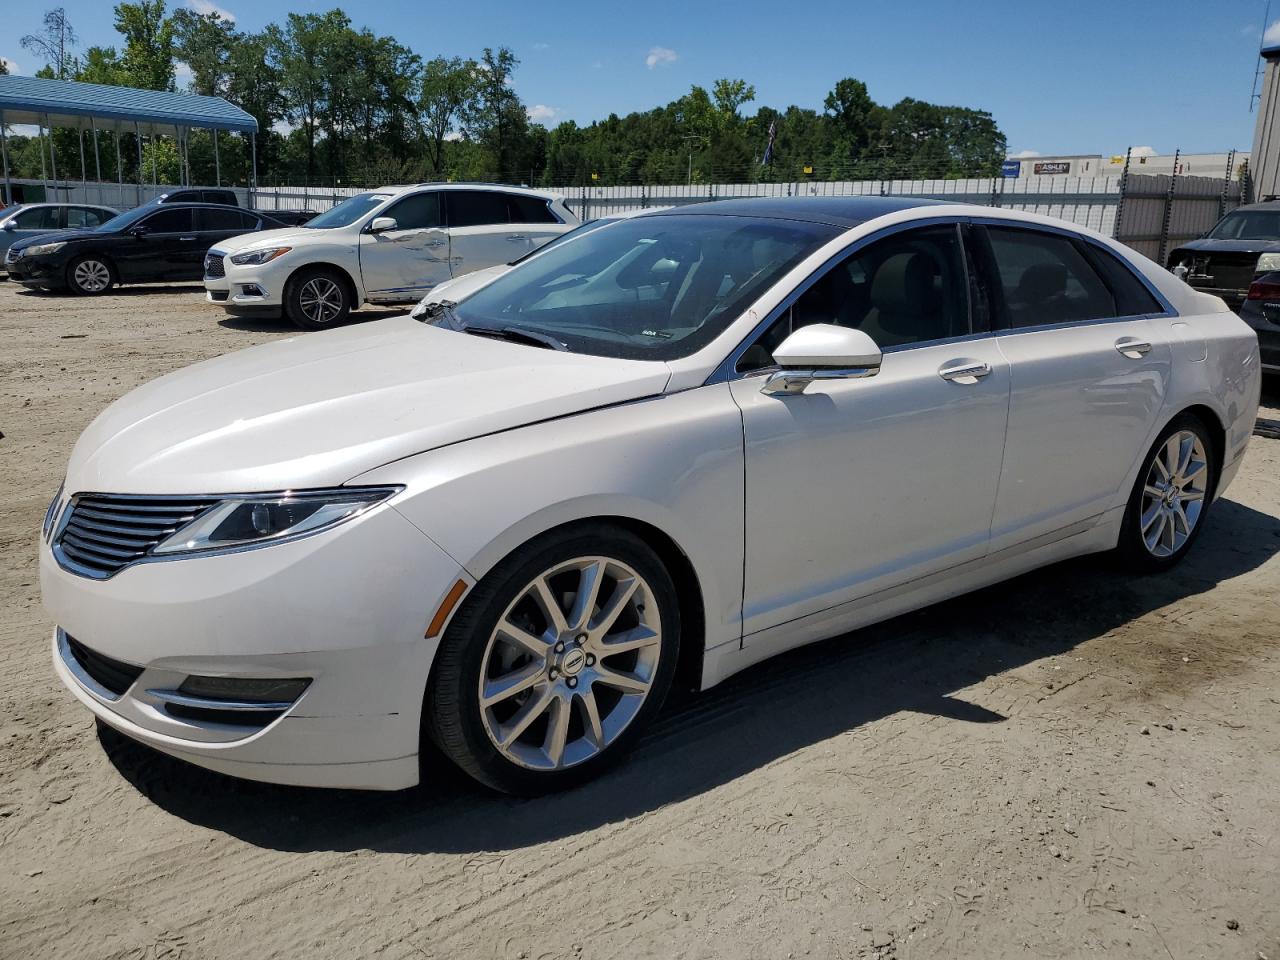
[(675, 446), (390, 245)]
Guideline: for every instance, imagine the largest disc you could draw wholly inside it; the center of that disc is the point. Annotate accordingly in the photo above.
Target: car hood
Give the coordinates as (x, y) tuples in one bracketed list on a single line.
[(463, 286), (284, 236), (55, 236), (317, 410), (1205, 245)]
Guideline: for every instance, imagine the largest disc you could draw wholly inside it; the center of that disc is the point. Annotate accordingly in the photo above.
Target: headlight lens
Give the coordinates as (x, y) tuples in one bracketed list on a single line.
[(265, 519), (1268, 262), (259, 256), (42, 248), (51, 515)]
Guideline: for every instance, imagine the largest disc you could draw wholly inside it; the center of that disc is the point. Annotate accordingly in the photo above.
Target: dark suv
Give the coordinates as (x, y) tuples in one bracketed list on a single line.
[(1242, 246)]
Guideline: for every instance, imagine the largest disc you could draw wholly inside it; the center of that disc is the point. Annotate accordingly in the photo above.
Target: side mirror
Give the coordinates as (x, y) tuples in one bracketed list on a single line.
[(10, 225), (822, 351), (382, 224)]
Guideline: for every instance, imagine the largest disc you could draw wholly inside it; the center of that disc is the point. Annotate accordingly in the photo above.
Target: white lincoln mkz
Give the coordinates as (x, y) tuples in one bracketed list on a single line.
[(692, 439)]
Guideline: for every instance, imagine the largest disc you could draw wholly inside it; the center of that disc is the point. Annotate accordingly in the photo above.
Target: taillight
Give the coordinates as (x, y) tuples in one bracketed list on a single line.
[(1264, 290)]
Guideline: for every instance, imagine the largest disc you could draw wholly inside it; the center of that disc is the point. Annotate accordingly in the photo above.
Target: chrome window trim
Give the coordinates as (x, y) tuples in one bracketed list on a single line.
[(727, 370), (71, 566), (205, 703)]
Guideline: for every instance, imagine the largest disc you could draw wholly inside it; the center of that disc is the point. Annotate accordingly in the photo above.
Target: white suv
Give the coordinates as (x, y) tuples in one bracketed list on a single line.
[(390, 245)]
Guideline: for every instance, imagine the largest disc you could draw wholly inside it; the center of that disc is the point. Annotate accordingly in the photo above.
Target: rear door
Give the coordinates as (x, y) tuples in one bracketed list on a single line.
[(403, 264), (162, 249), (85, 218), (213, 225), (481, 233), (534, 217), (1090, 368)]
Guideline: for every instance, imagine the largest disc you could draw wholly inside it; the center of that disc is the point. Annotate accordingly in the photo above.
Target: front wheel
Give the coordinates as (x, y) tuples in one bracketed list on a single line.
[(1171, 496), (556, 661), (317, 299), (89, 276)]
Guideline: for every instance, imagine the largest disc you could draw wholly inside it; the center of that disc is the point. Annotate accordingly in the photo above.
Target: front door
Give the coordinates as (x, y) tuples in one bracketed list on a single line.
[(164, 243), (858, 485), (26, 224), (403, 264)]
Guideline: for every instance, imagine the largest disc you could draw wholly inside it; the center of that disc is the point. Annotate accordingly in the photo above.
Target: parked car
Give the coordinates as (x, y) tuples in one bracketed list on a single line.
[(675, 446), (148, 244), (1242, 246), (1261, 310), (33, 219), (386, 246), (291, 218)]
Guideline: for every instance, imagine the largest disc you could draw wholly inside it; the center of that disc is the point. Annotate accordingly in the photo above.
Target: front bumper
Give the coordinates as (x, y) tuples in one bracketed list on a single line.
[(45, 271), (249, 287), (338, 608)]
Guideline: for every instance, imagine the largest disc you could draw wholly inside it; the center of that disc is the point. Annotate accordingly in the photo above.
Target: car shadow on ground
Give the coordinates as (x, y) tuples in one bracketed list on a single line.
[(276, 324), (179, 289), (912, 663)]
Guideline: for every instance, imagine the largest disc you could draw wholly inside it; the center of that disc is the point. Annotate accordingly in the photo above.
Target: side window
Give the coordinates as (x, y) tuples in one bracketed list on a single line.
[(476, 208), (168, 221), (1045, 279), (41, 218), (528, 209), (78, 217), (228, 218), (907, 288), (1132, 297), (183, 196), (219, 196), (418, 212)]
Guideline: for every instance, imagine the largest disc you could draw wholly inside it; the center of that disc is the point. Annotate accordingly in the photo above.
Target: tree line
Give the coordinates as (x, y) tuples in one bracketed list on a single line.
[(336, 104)]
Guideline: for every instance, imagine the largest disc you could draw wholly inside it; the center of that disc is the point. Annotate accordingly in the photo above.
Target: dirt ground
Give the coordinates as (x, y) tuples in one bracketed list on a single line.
[(1075, 763)]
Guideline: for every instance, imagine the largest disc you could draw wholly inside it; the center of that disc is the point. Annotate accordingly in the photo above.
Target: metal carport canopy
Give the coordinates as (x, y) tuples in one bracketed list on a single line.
[(32, 100)]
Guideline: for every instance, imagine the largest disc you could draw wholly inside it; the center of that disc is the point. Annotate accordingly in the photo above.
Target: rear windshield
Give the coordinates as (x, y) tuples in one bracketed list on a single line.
[(1248, 225)]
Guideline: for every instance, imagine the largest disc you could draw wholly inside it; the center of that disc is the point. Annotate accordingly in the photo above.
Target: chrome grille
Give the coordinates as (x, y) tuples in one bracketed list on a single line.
[(11, 255), (214, 267), (105, 533)]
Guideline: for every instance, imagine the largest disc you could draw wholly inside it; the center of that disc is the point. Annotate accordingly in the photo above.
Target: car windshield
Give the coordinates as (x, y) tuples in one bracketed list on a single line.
[(1248, 225), (348, 211), (122, 220), (652, 288), (556, 241)]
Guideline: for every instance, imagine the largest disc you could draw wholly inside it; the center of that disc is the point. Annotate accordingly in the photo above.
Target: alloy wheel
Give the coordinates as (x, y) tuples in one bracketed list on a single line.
[(320, 300), (1173, 495), (570, 663), (91, 276)]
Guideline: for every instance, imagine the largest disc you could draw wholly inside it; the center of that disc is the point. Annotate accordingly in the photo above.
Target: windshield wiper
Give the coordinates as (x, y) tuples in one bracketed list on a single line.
[(517, 335)]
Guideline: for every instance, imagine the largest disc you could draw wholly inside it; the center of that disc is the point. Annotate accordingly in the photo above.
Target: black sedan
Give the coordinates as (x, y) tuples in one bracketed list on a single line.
[(1261, 310), (146, 245)]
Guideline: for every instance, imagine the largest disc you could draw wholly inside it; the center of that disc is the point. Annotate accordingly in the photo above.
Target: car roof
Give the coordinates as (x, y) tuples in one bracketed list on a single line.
[(1263, 205), (465, 185), (836, 211)]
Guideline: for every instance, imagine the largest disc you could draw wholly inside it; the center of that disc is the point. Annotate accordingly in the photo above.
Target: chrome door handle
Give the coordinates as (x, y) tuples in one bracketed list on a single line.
[(964, 371), (434, 243), (1132, 347), (517, 236), (186, 238)]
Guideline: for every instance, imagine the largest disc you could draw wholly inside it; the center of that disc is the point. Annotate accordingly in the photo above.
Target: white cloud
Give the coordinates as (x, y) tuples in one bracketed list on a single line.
[(540, 113), (660, 55), (13, 67), (1272, 33), (453, 135), (206, 7), (1025, 155), (182, 74), (1142, 152), (283, 127)]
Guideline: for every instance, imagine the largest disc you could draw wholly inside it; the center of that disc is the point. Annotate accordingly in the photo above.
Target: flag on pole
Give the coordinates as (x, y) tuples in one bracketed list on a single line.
[(768, 147)]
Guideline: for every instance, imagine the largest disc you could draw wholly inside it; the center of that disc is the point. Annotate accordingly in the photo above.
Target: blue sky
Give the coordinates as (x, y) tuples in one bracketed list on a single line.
[(1082, 76)]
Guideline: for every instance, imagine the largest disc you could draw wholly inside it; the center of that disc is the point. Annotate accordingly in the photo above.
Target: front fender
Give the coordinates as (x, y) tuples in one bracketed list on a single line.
[(674, 462)]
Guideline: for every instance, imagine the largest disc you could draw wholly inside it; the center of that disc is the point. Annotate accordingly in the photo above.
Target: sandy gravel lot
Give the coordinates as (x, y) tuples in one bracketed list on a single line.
[(1077, 763)]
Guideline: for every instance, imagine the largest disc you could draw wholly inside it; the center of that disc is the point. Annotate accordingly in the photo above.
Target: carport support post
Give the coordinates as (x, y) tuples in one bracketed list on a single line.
[(253, 183), (217, 163), (84, 177), (115, 136), (97, 160), (4, 157), (137, 129), (53, 164)]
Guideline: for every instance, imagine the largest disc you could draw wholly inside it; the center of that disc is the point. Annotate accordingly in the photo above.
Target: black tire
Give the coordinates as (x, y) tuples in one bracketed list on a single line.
[(1133, 550), (300, 298), (84, 274), (452, 715)]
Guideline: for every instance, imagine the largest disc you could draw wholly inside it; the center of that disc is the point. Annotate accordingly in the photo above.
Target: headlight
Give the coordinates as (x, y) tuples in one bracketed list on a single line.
[(263, 519), (51, 515), (1268, 262), (40, 249), (259, 256)]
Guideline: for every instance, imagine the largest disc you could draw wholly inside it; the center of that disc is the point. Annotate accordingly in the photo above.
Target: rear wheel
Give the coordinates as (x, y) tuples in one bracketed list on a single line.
[(317, 299), (1171, 496), (89, 276), (556, 661)]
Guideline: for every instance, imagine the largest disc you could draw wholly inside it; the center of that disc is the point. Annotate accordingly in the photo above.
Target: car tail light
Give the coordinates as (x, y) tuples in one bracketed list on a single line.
[(1264, 290)]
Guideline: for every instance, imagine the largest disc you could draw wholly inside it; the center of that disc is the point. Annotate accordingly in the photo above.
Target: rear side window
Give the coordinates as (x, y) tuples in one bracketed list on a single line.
[(220, 196), (41, 218), (477, 208), (168, 221), (528, 209), (418, 212), (183, 196), (1045, 279), (83, 217), (228, 219), (1132, 297)]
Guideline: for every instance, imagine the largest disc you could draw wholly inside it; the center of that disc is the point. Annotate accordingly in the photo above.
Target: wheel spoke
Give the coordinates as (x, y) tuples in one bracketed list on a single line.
[(550, 605), (1172, 455), (634, 639), (1154, 492), (510, 684), (591, 718), (620, 680), (1190, 494), (557, 732), (1152, 537), (584, 602), (1178, 520), (613, 608), (528, 713), (534, 645), (1152, 515)]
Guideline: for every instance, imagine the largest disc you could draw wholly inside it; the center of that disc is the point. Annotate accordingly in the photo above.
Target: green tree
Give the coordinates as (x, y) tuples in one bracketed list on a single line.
[(148, 49), (447, 95), (204, 42), (495, 118)]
